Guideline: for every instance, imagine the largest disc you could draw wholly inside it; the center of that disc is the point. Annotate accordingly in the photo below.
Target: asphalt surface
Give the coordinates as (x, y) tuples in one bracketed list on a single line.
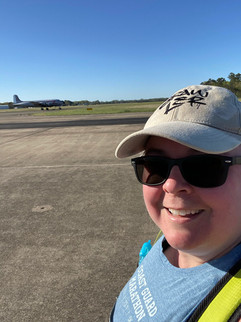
[(72, 216)]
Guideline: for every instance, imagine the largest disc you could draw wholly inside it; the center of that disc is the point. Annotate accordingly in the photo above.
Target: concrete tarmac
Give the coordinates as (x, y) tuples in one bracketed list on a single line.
[(72, 216)]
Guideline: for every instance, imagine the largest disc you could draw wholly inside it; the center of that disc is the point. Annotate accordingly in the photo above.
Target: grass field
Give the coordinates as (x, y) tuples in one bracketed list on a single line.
[(93, 109), (103, 109)]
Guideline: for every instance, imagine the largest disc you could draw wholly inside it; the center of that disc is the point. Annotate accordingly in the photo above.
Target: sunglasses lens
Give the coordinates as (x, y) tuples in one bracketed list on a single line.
[(205, 171), (150, 171)]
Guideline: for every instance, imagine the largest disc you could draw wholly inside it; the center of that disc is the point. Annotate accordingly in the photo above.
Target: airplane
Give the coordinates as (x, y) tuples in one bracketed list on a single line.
[(40, 103)]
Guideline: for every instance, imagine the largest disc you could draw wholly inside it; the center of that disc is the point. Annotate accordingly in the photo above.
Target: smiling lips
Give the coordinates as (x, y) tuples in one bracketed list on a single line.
[(184, 212)]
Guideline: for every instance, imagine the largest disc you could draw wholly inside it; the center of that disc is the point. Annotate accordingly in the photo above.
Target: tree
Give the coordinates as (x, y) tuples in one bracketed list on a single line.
[(234, 83), (234, 77)]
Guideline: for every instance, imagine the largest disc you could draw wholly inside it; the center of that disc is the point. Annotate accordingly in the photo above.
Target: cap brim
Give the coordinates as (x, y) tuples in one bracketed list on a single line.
[(196, 136)]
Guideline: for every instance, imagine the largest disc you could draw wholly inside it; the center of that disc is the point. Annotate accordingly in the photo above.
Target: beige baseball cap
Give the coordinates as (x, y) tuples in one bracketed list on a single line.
[(205, 118)]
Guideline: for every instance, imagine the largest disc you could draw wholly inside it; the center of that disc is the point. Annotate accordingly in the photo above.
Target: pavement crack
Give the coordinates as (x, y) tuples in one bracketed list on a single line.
[(24, 136)]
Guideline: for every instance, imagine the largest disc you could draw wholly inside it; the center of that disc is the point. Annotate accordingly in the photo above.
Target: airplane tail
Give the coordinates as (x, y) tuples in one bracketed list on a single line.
[(16, 99)]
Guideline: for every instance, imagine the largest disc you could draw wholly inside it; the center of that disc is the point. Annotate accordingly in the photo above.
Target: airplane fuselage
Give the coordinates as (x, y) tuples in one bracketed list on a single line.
[(38, 103)]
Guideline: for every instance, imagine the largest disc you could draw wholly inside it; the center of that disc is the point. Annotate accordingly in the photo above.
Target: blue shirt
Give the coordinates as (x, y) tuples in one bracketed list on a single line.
[(159, 291)]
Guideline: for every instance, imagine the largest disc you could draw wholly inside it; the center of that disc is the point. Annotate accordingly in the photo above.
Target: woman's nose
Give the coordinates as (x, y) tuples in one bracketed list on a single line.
[(175, 182)]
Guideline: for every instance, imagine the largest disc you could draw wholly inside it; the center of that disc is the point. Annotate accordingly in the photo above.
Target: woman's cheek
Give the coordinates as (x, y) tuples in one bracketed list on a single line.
[(152, 200)]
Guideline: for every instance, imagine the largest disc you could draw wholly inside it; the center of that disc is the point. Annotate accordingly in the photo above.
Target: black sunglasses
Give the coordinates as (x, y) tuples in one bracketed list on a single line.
[(204, 171)]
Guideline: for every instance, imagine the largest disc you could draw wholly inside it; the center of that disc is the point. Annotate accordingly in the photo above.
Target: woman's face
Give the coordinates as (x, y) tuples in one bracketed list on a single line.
[(205, 222)]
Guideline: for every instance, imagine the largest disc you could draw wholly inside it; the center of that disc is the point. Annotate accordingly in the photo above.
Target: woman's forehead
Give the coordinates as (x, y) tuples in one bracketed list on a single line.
[(160, 144)]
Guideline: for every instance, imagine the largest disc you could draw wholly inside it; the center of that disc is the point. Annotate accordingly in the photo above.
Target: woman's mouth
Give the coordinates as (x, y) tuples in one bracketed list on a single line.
[(184, 212)]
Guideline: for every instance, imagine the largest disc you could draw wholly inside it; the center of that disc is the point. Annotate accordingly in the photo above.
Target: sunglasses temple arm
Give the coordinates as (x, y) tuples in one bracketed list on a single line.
[(236, 160)]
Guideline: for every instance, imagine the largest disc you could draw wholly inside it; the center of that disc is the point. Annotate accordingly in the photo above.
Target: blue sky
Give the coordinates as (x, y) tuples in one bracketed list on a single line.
[(109, 49)]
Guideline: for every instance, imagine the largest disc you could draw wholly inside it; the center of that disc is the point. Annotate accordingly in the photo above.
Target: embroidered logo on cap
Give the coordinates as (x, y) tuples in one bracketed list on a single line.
[(195, 99)]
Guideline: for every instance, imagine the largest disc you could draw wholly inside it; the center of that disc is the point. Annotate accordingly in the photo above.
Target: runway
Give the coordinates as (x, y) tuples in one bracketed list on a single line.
[(72, 216), (16, 121)]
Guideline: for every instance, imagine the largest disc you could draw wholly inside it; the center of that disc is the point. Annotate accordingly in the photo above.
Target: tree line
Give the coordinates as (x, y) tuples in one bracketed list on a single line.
[(233, 84), (86, 102), (96, 102)]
